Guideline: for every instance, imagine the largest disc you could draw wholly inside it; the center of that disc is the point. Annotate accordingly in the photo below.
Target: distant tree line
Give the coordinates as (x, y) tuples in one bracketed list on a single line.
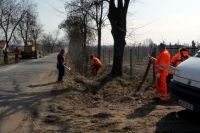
[(19, 24)]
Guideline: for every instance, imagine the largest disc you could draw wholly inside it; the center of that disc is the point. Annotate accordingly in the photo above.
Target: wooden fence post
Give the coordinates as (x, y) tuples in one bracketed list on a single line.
[(154, 55), (131, 62), (109, 57), (103, 51), (193, 48), (138, 53)]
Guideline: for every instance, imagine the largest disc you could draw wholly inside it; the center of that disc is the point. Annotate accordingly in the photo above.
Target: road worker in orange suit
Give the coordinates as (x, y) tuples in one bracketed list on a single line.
[(95, 64), (161, 66), (181, 56), (177, 59)]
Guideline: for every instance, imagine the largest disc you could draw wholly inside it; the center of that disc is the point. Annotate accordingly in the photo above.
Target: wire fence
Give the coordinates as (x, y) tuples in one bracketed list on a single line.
[(137, 55)]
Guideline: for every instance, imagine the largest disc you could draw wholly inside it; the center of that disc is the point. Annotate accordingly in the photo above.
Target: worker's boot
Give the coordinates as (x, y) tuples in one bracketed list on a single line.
[(164, 97)]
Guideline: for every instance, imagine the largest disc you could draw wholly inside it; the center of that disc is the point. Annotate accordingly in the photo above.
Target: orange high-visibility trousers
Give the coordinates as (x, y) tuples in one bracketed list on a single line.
[(161, 67), (95, 67), (161, 86)]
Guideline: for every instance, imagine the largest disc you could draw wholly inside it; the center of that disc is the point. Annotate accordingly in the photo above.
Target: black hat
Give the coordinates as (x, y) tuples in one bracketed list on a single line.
[(162, 45), (183, 49)]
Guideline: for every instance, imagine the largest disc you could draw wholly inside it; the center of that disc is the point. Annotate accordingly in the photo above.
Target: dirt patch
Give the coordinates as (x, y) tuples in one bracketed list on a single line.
[(105, 104), (51, 119), (102, 115)]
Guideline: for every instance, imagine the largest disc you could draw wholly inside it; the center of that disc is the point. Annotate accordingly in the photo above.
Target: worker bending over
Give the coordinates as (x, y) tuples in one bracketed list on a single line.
[(181, 56), (178, 58), (161, 66), (95, 64)]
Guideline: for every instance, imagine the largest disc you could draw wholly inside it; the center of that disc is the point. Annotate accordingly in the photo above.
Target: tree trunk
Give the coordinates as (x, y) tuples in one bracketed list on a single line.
[(119, 44), (117, 17), (99, 27), (7, 40), (99, 44), (85, 56)]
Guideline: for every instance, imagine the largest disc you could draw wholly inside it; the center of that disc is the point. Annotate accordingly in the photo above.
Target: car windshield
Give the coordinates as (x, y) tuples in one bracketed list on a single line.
[(197, 54)]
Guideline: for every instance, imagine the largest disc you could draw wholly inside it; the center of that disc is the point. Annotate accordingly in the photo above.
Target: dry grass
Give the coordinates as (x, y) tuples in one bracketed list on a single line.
[(104, 104), (94, 104)]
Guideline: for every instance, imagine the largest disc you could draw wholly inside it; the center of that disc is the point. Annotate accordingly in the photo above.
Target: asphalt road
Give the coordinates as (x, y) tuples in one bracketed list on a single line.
[(17, 98)]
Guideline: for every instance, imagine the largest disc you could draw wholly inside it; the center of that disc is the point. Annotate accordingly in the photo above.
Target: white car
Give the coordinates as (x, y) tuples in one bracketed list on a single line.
[(185, 85)]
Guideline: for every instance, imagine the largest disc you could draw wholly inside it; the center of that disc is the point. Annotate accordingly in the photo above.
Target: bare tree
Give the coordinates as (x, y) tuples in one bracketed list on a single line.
[(94, 9), (10, 16), (78, 13), (47, 42), (27, 24), (74, 34), (55, 39), (97, 14), (36, 30), (117, 16), (51, 43)]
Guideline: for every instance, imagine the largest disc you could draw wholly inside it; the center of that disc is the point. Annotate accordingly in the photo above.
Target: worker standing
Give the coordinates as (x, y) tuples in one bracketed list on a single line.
[(181, 56), (5, 53), (95, 64), (162, 64), (60, 65), (177, 59), (16, 51)]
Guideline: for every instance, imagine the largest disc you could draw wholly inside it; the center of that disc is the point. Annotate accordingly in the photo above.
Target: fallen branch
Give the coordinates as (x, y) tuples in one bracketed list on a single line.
[(146, 72), (144, 77)]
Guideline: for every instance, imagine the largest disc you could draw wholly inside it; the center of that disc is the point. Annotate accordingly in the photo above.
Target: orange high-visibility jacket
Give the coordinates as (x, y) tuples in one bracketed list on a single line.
[(96, 61), (162, 63), (178, 58)]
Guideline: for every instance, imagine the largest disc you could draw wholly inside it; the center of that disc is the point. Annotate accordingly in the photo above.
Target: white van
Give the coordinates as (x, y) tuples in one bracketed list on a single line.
[(185, 85)]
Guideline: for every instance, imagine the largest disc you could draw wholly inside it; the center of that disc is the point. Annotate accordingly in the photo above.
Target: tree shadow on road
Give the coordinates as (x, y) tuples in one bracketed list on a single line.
[(183, 121), (147, 108), (41, 85), (67, 90), (14, 102)]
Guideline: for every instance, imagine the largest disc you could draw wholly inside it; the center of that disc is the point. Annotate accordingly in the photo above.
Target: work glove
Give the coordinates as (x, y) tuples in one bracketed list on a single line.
[(158, 75)]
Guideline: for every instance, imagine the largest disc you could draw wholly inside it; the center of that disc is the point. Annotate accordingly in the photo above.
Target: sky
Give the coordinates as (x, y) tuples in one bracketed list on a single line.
[(161, 20), (51, 14)]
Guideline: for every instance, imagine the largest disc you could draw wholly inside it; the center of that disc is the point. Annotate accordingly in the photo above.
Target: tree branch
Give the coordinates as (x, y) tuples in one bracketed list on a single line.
[(21, 17), (112, 4), (126, 5), (120, 4)]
